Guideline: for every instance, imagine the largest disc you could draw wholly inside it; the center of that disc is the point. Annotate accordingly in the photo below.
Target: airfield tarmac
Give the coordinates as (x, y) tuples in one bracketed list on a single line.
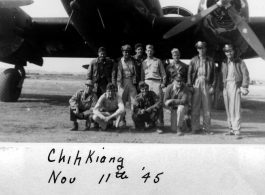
[(41, 115)]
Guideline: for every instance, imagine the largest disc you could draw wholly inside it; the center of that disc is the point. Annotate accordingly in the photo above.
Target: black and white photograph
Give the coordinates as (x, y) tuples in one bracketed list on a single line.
[(168, 76)]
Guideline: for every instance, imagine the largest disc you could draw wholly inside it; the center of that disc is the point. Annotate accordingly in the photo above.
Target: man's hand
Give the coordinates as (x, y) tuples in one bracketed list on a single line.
[(211, 91), (244, 91), (169, 103), (142, 111), (76, 111), (162, 86), (221, 96), (108, 118)]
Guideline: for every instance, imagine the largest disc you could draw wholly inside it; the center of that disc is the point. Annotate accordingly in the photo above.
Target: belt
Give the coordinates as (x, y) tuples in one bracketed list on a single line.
[(153, 79)]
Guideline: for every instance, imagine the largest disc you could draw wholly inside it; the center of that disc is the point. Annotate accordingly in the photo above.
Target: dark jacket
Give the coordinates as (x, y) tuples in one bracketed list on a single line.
[(95, 67), (151, 100), (240, 71), (117, 72), (171, 70), (180, 97), (210, 71)]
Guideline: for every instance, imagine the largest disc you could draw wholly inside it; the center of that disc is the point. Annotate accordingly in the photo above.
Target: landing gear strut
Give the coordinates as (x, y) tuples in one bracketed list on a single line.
[(11, 81)]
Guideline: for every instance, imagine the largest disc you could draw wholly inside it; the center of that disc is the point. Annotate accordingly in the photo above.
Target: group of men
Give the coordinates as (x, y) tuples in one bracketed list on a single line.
[(140, 80)]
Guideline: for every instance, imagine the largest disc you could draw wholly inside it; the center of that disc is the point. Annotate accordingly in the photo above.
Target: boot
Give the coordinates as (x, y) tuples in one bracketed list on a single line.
[(88, 123), (75, 126)]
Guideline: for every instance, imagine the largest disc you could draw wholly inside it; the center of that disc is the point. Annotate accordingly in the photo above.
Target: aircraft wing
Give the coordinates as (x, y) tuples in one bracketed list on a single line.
[(41, 37)]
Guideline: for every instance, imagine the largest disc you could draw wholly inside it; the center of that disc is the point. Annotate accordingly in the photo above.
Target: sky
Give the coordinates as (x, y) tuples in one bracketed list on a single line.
[(54, 8)]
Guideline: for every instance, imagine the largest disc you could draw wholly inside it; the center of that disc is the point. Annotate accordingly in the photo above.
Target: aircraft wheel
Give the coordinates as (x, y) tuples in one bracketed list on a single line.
[(9, 79)]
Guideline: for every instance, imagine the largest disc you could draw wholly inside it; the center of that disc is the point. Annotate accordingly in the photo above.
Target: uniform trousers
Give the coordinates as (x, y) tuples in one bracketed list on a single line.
[(201, 99), (104, 124), (86, 114), (140, 119), (177, 116), (155, 86), (232, 99), (127, 91)]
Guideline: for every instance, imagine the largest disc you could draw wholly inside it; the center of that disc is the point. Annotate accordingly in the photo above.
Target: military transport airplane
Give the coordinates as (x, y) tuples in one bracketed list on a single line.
[(113, 23)]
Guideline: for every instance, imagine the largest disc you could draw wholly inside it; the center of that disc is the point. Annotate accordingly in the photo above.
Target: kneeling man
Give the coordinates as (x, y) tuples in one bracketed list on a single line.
[(109, 107), (176, 98), (146, 108), (81, 105)]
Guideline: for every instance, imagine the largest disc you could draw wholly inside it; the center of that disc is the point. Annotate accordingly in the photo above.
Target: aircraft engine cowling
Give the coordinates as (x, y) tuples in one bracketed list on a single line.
[(13, 22), (218, 29)]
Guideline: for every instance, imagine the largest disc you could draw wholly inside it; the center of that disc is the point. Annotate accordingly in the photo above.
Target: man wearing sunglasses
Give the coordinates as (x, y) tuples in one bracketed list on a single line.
[(201, 81), (234, 81)]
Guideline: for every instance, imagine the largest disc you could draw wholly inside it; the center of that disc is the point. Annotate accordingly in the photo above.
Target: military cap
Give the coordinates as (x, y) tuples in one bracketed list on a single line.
[(101, 49), (177, 77), (228, 47), (201, 44), (126, 48), (143, 84), (149, 47), (110, 86), (138, 45), (89, 82), (175, 50)]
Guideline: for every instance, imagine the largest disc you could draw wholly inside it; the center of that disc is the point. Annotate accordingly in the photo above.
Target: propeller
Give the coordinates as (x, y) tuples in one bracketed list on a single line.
[(14, 3), (246, 32), (240, 23)]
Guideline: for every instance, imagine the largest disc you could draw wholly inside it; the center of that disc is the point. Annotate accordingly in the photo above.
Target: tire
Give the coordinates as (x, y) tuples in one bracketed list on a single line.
[(9, 79)]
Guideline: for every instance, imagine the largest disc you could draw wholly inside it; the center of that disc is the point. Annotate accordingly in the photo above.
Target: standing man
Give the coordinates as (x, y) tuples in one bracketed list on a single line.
[(176, 67), (146, 107), (202, 81), (153, 73), (139, 57), (81, 105), (100, 70), (176, 98), (127, 76), (234, 76), (108, 108)]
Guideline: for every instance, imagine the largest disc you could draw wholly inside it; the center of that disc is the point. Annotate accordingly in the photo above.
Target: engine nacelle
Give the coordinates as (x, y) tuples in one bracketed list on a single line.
[(218, 29), (13, 22)]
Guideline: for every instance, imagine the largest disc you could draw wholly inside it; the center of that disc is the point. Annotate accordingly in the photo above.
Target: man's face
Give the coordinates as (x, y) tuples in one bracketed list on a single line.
[(144, 90), (88, 89), (176, 56), (126, 54), (149, 52), (111, 93), (178, 83), (201, 50), (139, 51), (230, 54), (102, 55)]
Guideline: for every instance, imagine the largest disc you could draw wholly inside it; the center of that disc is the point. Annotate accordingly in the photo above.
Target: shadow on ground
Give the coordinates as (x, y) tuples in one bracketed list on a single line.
[(57, 100)]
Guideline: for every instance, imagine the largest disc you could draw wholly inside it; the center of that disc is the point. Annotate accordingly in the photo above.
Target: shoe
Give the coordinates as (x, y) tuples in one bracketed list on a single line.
[(180, 134), (229, 133), (75, 126), (94, 125), (88, 124), (159, 131), (238, 136), (193, 132)]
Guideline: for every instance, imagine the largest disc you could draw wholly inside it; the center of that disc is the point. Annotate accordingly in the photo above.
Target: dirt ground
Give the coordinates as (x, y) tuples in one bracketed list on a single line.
[(41, 115)]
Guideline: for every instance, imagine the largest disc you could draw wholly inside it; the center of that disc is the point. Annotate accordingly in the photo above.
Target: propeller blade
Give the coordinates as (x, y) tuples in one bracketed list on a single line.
[(14, 3), (246, 32), (189, 22)]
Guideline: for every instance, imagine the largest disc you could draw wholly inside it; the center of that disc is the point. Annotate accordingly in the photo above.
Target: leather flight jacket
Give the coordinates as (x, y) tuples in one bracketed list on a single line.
[(210, 71)]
